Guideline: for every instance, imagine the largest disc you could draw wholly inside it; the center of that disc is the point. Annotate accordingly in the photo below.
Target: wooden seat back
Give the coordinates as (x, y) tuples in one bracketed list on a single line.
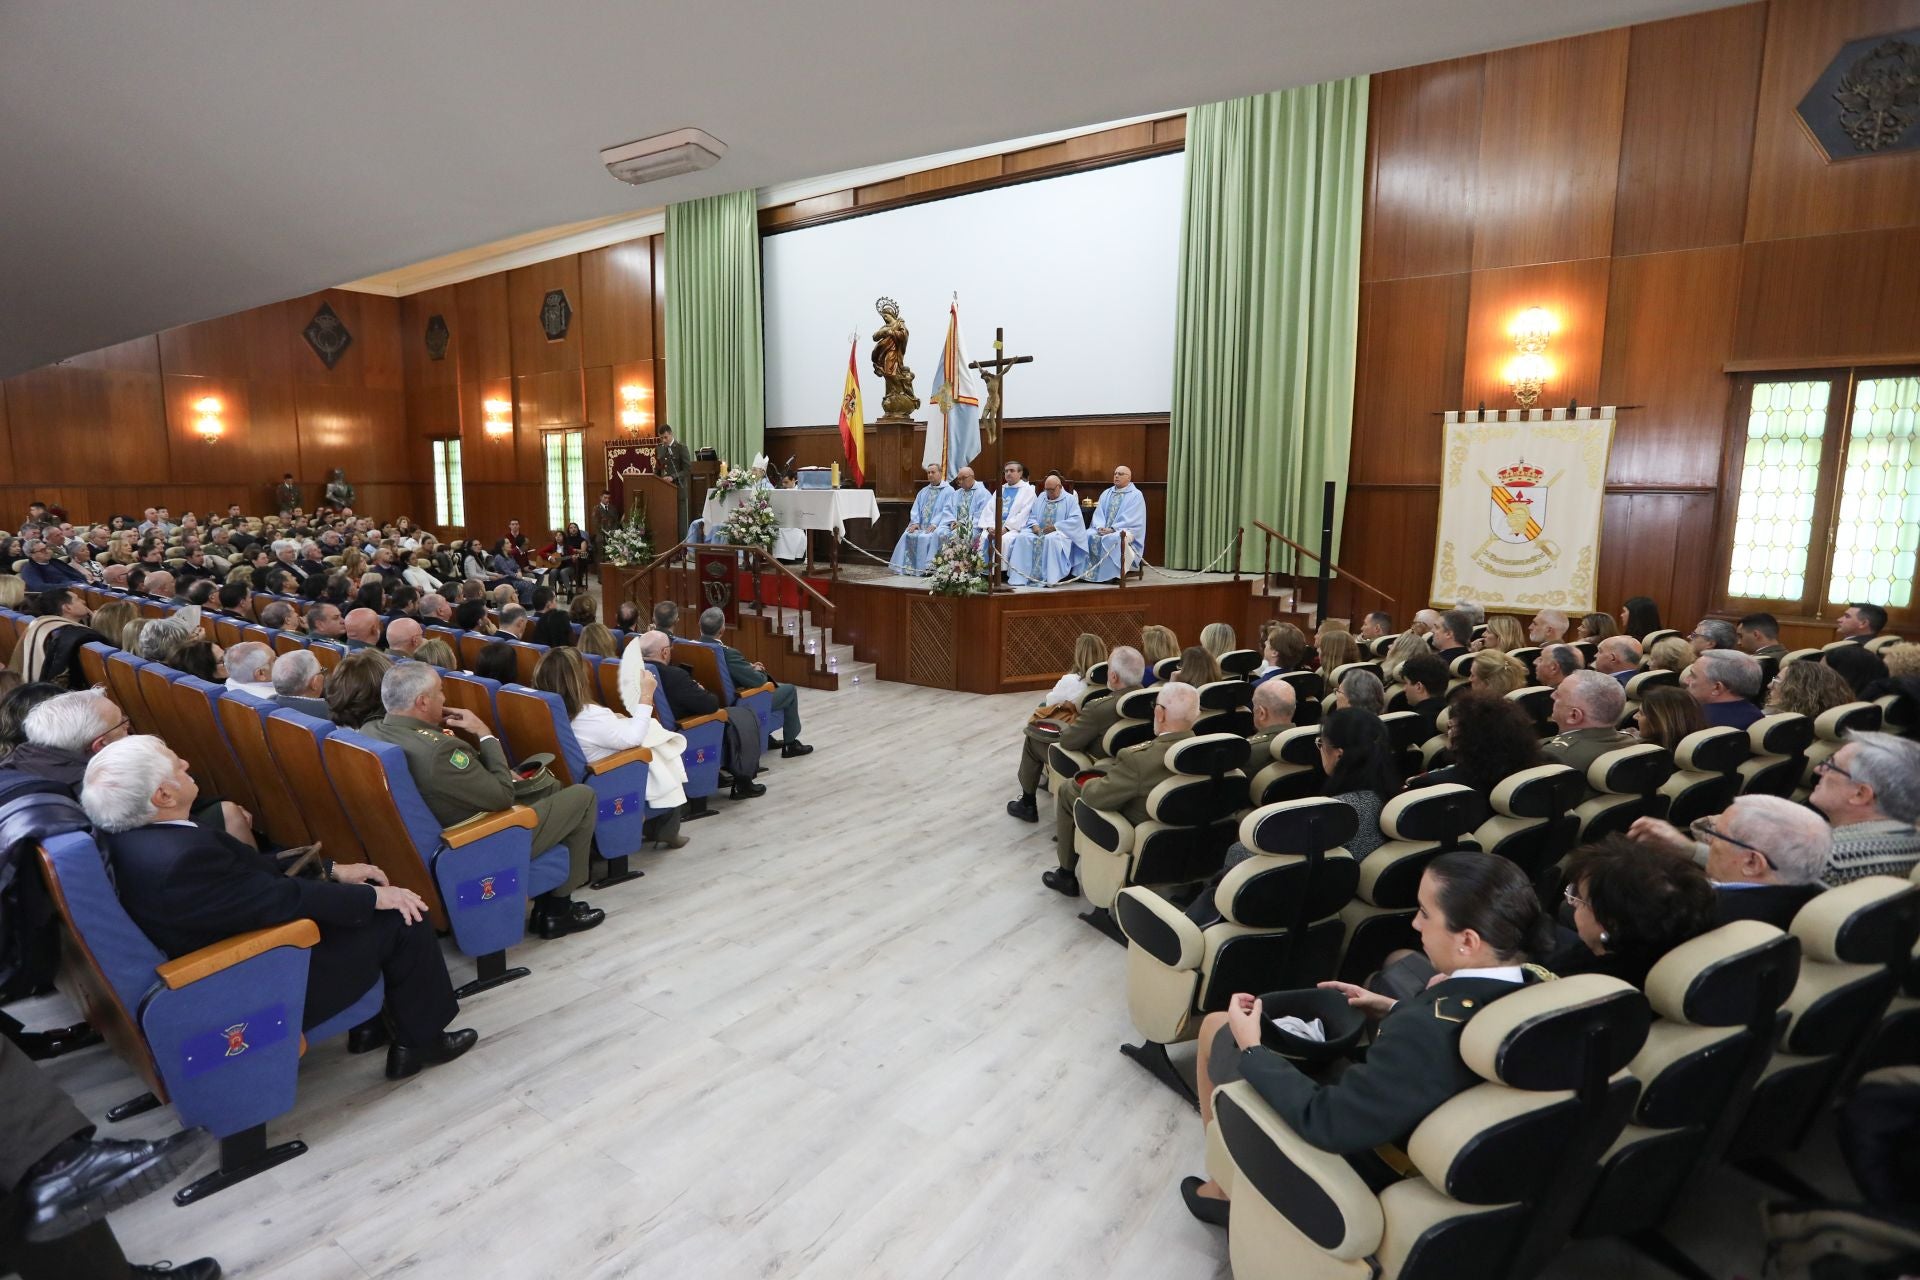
[(297, 752), (277, 812), (205, 744), (362, 782), (705, 665)]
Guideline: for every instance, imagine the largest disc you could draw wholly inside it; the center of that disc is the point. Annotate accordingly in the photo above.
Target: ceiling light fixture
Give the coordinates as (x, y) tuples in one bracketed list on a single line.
[(665, 155)]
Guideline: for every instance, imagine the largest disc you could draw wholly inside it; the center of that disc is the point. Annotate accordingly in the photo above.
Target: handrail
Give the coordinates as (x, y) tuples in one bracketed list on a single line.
[(1334, 565), (673, 561), (767, 556)]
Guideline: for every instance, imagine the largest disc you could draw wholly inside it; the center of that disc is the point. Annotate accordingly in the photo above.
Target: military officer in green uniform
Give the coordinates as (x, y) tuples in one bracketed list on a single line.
[(458, 783), (751, 675), (1135, 772), (676, 464), (1479, 923), (1273, 707), (1586, 710), (1125, 669)]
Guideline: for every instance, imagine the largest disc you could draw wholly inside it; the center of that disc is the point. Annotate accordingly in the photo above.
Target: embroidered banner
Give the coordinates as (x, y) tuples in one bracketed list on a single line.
[(1520, 504)]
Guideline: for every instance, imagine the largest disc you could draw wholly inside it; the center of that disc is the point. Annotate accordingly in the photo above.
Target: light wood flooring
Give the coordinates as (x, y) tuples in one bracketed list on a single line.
[(843, 1033)]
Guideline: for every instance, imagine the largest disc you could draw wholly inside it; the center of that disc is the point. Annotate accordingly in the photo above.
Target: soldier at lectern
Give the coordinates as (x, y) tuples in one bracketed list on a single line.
[(676, 464)]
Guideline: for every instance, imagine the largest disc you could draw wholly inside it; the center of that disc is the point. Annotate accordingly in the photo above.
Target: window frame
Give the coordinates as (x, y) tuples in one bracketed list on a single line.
[(1813, 608), (456, 493), (575, 484)]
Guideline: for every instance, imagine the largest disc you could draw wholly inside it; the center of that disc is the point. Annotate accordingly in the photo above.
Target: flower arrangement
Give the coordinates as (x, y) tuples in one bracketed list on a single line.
[(628, 542), (732, 480), (752, 523), (958, 567)]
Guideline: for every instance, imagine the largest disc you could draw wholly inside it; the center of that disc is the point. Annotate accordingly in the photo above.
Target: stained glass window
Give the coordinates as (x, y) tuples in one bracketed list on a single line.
[(566, 493), (1877, 526), (449, 500), (1779, 487)]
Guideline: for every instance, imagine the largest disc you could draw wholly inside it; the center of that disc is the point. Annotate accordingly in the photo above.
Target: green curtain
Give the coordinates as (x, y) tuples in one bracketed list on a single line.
[(1267, 325), (716, 393)]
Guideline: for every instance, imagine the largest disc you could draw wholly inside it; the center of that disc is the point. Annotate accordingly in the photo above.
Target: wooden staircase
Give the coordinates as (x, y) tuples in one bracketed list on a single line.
[(807, 649)]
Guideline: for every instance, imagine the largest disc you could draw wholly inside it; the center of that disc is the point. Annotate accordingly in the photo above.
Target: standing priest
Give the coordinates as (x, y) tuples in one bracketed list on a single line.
[(1121, 510), (927, 526), (1054, 543)]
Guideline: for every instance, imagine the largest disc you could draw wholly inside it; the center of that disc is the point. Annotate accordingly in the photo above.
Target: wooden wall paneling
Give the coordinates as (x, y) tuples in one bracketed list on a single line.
[(527, 288), (433, 411), (1576, 294), (1387, 538), (490, 506), (1170, 129), (371, 360), (1669, 332), (136, 355), (1087, 148), (616, 303), (59, 413), (1831, 299), (1423, 148), (480, 339), (360, 429), (964, 174), (1796, 190), (483, 458), (1658, 545), (254, 344), (1686, 144), (1550, 150), (260, 441), (1411, 355), (6, 433), (543, 401), (418, 367), (1159, 441)]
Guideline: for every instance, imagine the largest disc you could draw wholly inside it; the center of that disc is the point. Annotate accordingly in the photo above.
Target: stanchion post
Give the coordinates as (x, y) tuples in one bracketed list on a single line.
[(1323, 603)]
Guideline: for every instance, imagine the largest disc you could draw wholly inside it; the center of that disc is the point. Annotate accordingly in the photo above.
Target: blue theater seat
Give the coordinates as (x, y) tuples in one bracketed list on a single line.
[(537, 723), (216, 1032), (759, 698)]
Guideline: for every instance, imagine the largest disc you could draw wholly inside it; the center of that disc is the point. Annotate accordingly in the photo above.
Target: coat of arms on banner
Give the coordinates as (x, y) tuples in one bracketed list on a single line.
[(1517, 517)]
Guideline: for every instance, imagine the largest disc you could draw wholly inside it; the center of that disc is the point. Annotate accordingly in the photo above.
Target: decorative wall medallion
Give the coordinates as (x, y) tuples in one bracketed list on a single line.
[(1867, 101), (327, 335), (556, 313), (437, 336)]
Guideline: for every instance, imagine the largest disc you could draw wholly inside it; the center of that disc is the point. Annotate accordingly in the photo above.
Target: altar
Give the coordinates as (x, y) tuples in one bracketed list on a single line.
[(809, 510)]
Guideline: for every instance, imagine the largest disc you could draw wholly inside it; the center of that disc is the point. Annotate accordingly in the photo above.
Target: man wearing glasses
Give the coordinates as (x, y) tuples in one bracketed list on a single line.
[(1765, 856), (1870, 791), (63, 733)]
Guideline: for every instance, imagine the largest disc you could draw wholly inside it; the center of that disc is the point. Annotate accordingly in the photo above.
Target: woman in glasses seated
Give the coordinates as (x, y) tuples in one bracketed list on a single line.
[(1631, 905)]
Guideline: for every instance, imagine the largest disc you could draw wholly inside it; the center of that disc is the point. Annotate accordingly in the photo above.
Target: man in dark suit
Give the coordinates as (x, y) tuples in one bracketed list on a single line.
[(1425, 680), (299, 681), (751, 675), (1454, 635), (187, 888), (1861, 622), (688, 699), (1765, 855), (42, 572), (1126, 783)]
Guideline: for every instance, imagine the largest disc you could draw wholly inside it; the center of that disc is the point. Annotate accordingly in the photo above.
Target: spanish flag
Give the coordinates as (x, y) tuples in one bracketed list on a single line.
[(853, 423)]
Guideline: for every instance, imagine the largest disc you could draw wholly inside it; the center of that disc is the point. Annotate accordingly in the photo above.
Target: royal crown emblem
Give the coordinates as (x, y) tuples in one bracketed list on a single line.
[(1521, 475), (1518, 508)]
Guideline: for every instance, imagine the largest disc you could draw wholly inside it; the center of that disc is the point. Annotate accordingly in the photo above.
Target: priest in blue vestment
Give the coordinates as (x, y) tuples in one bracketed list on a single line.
[(972, 507), (927, 526), (1121, 509), (1054, 543)]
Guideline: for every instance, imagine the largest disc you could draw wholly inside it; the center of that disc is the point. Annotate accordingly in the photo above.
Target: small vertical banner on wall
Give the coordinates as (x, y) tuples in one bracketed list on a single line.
[(1520, 506)]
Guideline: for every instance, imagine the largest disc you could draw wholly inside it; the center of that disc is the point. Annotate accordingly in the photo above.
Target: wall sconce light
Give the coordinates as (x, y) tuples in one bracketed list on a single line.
[(208, 422), (499, 418), (632, 416), (1529, 370)]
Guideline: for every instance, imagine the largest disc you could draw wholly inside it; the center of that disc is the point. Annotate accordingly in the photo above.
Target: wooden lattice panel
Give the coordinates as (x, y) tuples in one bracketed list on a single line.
[(931, 659), (1041, 644)]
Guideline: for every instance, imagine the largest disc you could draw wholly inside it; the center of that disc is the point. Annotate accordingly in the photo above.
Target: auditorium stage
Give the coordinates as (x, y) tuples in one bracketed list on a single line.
[(1019, 639)]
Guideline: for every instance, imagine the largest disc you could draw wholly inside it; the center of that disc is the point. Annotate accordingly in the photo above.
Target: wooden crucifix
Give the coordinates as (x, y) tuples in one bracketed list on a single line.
[(994, 372)]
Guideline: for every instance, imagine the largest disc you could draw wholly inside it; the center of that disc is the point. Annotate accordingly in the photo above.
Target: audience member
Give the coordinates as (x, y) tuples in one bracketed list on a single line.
[(1869, 791), (1218, 638), (495, 661), (1357, 757), (1157, 644), (1759, 635), (1669, 653), (1197, 667), (1088, 651), (1126, 669), (16, 706), (404, 635), (250, 669), (1362, 691), (1714, 633), (595, 640), (1455, 633), (1860, 622), (1639, 618), (437, 653), (361, 628), (48, 648), (201, 658), (1808, 688), (1549, 626), (666, 617), (747, 675), (1598, 626), (603, 732), (1491, 671), (553, 630), (1586, 710), (300, 682), (1336, 649), (1284, 648), (1488, 739), (471, 615), (514, 622), (188, 888), (1406, 645), (1724, 682), (352, 688), (1860, 667), (1631, 905), (627, 617), (1758, 841), (1376, 625), (1424, 677), (1555, 663), (1667, 716), (50, 735), (688, 700), (1273, 707), (1619, 657), (1125, 785), (1503, 633)]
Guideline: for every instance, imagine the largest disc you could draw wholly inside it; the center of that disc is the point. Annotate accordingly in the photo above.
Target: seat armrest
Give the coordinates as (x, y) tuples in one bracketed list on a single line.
[(694, 722), (632, 755), (768, 687), (229, 952), (1318, 1192), (487, 824), (1158, 928)]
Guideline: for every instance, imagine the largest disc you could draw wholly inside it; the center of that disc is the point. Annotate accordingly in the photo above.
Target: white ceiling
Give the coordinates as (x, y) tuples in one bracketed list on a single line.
[(162, 163)]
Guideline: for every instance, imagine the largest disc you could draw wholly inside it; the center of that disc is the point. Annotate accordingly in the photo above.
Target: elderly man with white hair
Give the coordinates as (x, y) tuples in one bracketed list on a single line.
[(250, 669), (1549, 626), (188, 888), (1766, 856), (1869, 791), (1724, 683), (688, 700), (1586, 712), (1274, 703), (299, 681), (1135, 772), (1126, 668), (1619, 657), (62, 734)]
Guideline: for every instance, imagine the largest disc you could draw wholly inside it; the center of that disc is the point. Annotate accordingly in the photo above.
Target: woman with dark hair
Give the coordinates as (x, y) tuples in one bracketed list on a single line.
[(352, 690), (1639, 616), (200, 657), (1597, 627), (552, 630), (1857, 665), (1197, 667), (1356, 754), (14, 707), (1631, 904), (12, 551), (371, 595), (496, 662), (1480, 923), (1668, 713), (1489, 739)]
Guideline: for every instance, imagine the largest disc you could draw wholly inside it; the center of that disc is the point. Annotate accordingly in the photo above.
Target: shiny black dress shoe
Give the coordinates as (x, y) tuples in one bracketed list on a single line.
[(794, 747), (41, 1045), (404, 1060), (368, 1036), (747, 790), (198, 1269), (1206, 1208), (1061, 880), (1024, 808), (559, 919), (83, 1179)]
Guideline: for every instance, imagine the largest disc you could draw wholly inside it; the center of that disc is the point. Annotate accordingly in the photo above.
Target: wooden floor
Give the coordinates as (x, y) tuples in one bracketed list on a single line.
[(844, 1033)]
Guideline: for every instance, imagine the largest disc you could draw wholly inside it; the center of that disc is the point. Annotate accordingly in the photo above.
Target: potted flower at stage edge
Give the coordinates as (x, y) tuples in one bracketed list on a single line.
[(752, 523), (958, 567), (731, 480), (628, 545)]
